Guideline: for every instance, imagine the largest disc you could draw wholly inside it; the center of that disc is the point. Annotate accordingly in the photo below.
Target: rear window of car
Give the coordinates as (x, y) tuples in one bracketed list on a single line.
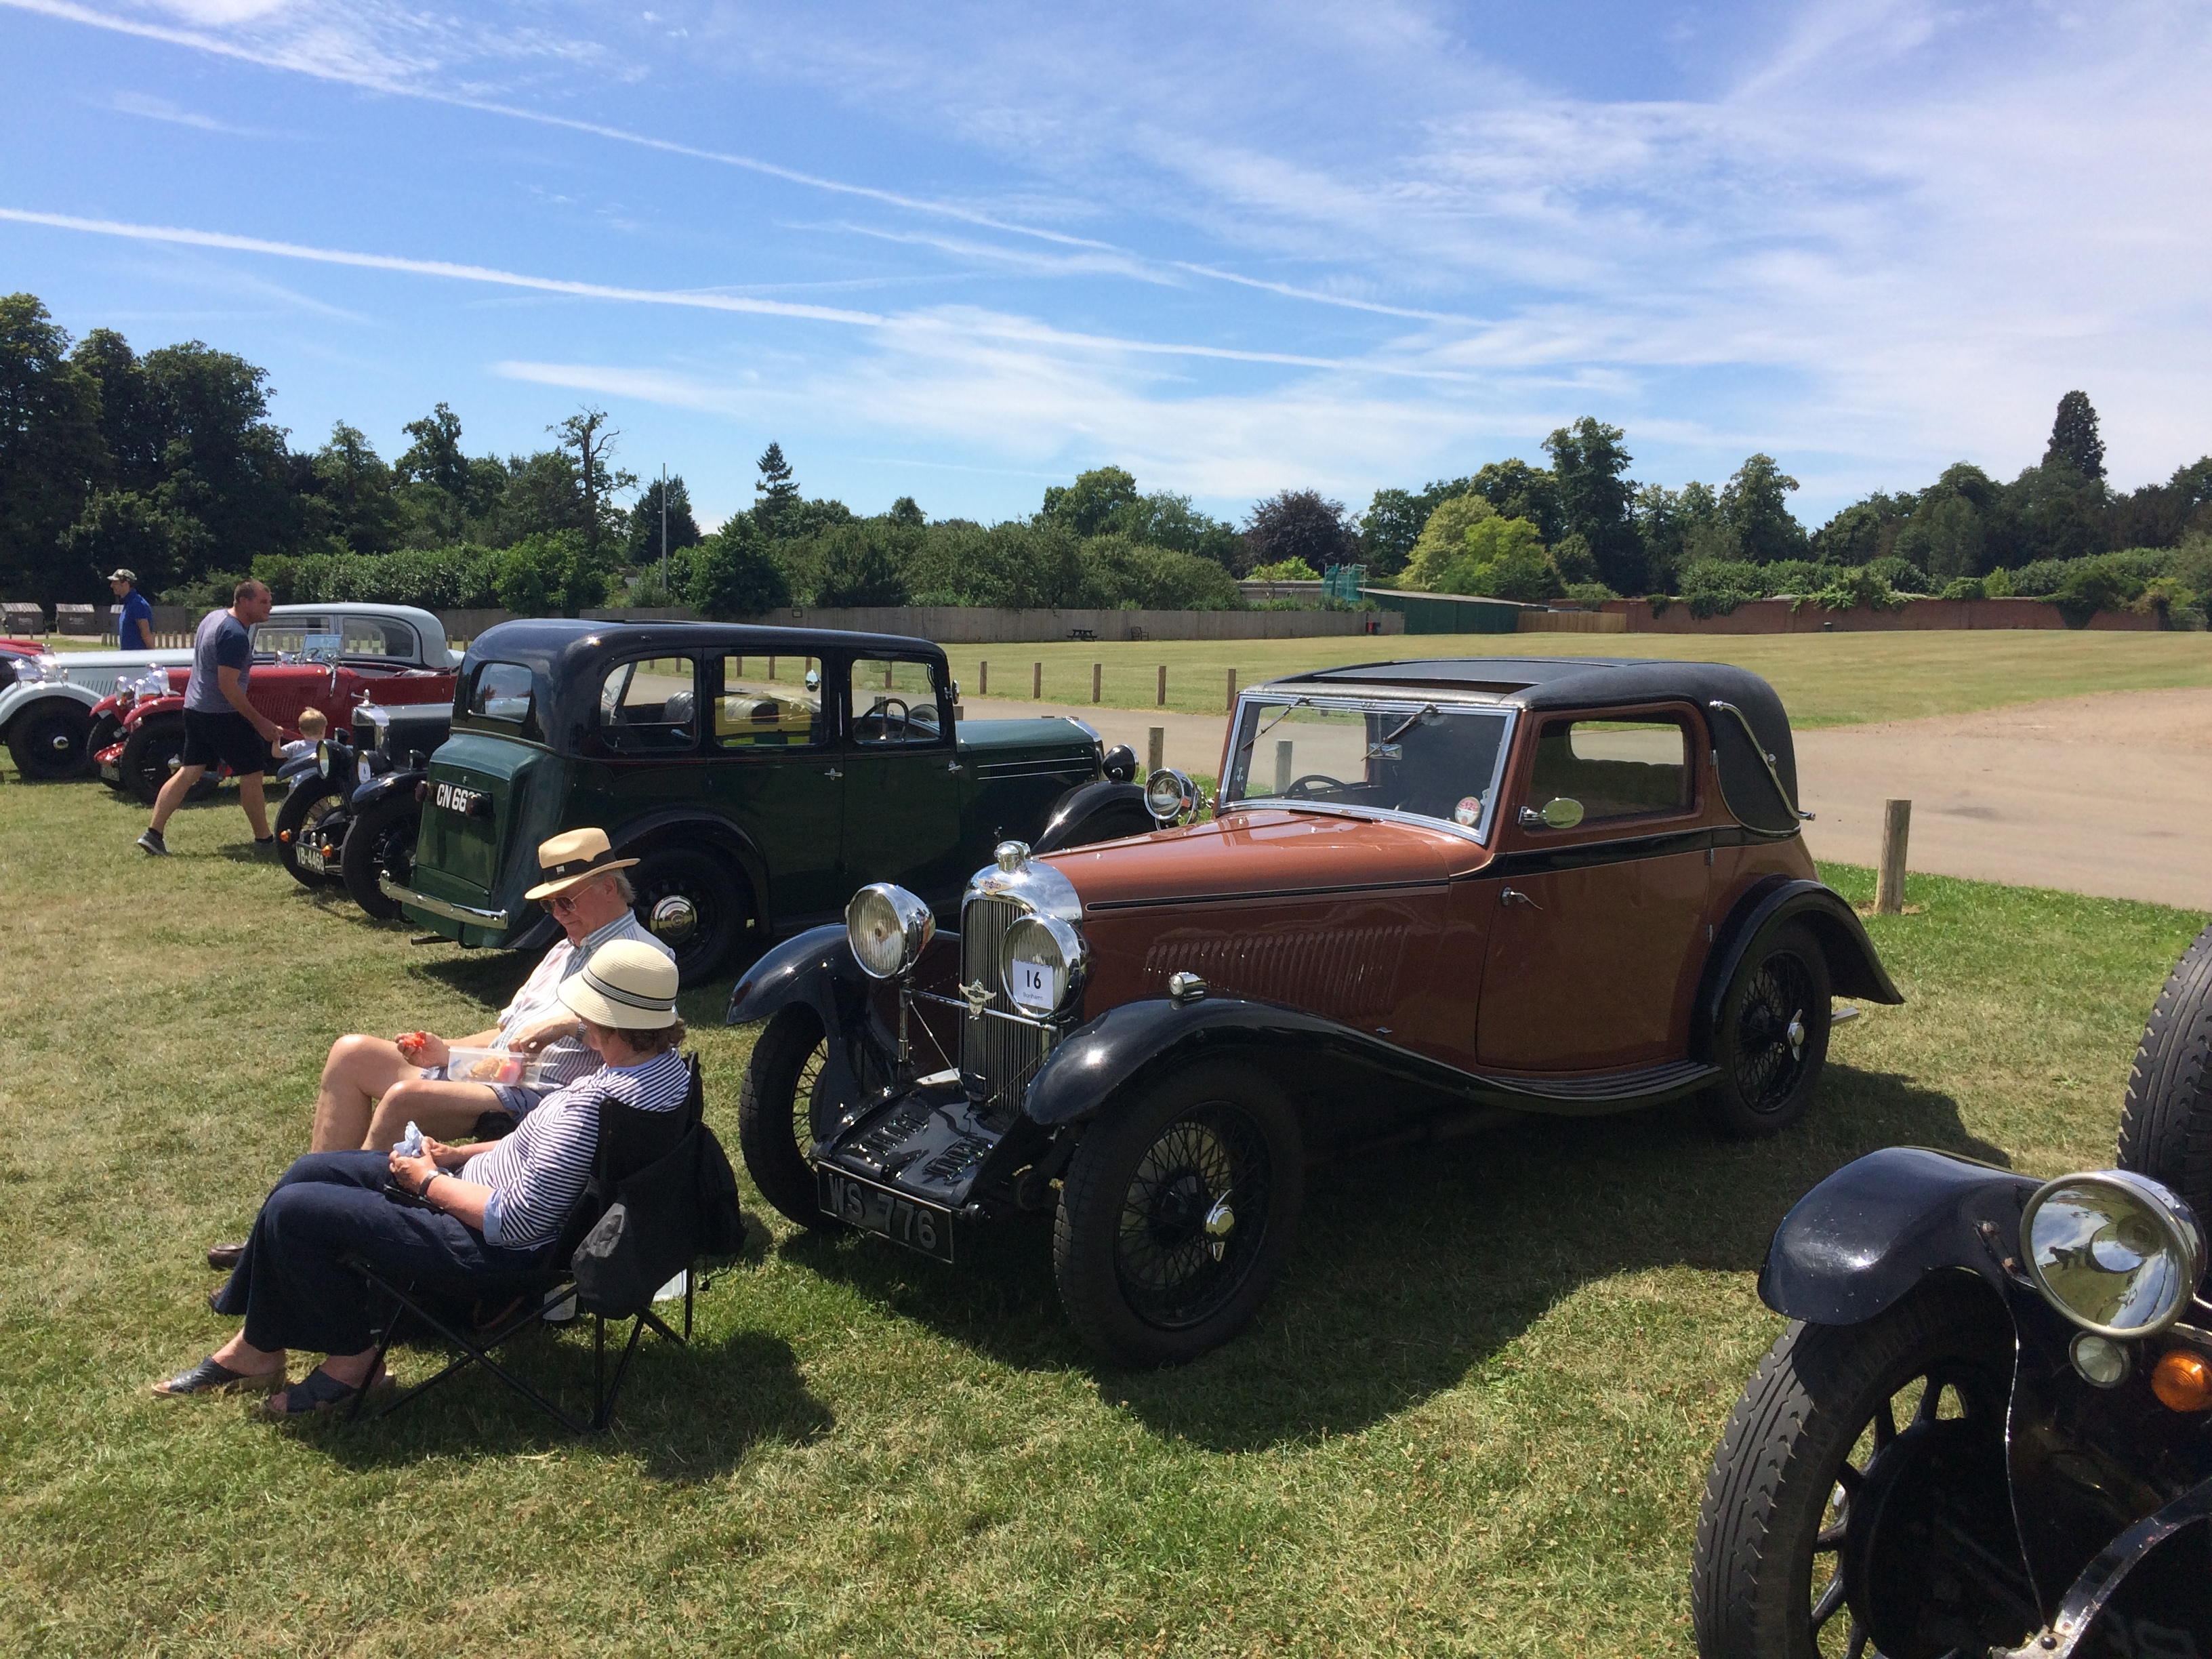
[(501, 692), (1615, 768), (649, 706)]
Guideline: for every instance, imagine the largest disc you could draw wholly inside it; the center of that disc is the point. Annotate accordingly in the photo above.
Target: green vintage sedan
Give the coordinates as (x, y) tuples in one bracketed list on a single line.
[(759, 774)]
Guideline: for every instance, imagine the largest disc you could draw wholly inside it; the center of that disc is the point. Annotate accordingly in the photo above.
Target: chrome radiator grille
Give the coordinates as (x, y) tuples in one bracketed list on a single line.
[(998, 1055)]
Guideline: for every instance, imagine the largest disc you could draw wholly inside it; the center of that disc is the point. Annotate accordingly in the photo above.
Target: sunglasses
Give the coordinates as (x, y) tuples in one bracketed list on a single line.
[(560, 902)]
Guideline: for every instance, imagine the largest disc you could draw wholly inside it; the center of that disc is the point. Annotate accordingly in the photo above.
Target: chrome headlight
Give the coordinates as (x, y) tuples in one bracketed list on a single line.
[(1041, 963), (2113, 1251), (31, 671), (887, 928), (1168, 794)]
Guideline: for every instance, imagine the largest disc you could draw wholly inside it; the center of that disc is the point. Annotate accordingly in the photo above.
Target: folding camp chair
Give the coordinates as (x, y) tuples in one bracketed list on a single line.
[(629, 1141)]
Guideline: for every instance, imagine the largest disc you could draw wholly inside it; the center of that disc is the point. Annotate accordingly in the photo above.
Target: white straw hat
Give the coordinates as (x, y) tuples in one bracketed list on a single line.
[(627, 985)]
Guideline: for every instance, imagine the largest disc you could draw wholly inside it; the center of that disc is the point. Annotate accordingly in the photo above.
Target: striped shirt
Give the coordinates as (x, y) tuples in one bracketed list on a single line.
[(536, 1173)]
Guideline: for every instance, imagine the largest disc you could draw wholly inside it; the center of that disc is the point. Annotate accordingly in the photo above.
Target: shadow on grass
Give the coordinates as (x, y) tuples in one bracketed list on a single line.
[(688, 1414), (1411, 1268)]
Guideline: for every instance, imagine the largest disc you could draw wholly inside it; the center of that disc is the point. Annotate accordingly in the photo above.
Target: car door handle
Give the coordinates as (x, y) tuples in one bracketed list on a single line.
[(1515, 896), (832, 773)]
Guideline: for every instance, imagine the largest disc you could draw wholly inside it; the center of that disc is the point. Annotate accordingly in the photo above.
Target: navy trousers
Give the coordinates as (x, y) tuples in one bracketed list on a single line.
[(291, 1285)]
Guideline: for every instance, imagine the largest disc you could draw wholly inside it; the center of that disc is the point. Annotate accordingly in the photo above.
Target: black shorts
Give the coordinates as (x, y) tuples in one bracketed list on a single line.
[(227, 739)]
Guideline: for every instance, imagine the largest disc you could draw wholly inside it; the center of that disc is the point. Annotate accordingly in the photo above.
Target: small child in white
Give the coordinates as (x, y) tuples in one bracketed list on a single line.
[(314, 724)]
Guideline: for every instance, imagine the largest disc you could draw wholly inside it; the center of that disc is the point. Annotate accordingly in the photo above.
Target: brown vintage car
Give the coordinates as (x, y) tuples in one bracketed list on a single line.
[(1432, 894)]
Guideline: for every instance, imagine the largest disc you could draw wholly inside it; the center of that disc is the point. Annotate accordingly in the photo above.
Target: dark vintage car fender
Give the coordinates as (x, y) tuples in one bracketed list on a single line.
[(1858, 1242), (689, 826), (381, 789), (816, 969), (1099, 809), (2110, 1494), (1854, 969)]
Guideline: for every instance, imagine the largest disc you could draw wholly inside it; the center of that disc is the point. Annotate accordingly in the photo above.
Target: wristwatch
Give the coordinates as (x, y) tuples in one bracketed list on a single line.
[(423, 1191)]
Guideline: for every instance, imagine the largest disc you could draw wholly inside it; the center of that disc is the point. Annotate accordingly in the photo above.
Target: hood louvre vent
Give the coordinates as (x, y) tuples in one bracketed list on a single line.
[(1346, 972)]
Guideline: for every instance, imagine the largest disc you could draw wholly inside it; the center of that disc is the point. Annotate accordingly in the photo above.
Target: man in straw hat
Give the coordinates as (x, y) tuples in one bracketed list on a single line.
[(496, 1209), (374, 1087)]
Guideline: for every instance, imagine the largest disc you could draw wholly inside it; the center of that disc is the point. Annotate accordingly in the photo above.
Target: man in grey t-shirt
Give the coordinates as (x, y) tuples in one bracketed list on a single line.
[(221, 726)]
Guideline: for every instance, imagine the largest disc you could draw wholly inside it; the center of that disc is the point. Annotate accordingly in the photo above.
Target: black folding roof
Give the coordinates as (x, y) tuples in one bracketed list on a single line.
[(1543, 683)]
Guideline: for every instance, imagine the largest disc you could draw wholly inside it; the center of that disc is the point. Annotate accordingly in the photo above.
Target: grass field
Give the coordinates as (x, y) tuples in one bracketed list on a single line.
[(1473, 1419), (1825, 679)]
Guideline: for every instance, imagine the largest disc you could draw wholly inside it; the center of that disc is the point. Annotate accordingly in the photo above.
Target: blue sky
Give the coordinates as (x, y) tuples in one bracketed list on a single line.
[(962, 252)]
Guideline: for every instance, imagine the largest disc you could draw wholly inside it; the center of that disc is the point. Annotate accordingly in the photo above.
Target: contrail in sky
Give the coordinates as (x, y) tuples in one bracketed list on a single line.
[(982, 327)]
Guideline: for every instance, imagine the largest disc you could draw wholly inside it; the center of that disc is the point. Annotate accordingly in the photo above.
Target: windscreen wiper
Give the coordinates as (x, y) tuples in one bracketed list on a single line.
[(1411, 721), (1302, 702)]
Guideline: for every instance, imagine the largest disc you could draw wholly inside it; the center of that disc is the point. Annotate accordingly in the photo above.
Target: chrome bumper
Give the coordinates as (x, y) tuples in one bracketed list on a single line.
[(445, 908)]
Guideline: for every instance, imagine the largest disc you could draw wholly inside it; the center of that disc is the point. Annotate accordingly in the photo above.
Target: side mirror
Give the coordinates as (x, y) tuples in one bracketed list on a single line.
[(1560, 812)]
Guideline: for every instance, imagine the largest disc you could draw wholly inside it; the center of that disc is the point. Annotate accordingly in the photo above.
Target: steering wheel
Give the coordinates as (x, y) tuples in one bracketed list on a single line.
[(1296, 790), (883, 712)]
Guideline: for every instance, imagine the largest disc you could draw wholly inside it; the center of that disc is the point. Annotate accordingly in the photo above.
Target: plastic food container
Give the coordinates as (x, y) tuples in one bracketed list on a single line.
[(493, 1065)]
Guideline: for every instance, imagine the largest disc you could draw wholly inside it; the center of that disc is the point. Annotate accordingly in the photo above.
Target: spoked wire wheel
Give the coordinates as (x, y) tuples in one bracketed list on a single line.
[(1771, 1032), (775, 1128), (1177, 1213), (1858, 1503), (1773, 1035), (1193, 1218)]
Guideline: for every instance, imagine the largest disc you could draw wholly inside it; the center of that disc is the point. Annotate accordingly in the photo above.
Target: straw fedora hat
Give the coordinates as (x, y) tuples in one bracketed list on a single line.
[(573, 857), (627, 985)]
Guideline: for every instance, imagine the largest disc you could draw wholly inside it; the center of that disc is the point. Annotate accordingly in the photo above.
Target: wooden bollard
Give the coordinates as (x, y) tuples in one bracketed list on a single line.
[(983, 678), (1156, 749), (1889, 884), (1231, 703), (1096, 668), (1164, 685), (1036, 682)]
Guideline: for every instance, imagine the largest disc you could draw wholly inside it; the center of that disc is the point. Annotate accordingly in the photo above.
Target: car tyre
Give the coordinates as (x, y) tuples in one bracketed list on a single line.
[(2165, 1125), (1773, 1037), (50, 741), (151, 753), (775, 1115), (378, 842), (1145, 1270), (1766, 1574), (306, 811), (686, 899)]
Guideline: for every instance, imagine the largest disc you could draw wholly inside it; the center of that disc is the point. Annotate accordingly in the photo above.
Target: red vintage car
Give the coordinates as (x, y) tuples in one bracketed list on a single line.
[(1434, 895), (332, 658)]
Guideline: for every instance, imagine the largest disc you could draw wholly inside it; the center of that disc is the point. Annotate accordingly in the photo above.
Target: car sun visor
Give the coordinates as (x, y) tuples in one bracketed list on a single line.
[(1749, 784)]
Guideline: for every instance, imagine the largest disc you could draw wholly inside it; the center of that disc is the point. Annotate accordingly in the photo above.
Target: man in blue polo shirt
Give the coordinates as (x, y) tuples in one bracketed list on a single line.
[(221, 726), (134, 628)]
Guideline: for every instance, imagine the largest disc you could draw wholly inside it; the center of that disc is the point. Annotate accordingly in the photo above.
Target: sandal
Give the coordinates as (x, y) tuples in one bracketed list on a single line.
[(319, 1391), (210, 1375)]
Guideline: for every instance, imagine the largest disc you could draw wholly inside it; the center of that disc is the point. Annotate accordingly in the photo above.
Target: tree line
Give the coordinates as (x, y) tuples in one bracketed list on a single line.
[(167, 463)]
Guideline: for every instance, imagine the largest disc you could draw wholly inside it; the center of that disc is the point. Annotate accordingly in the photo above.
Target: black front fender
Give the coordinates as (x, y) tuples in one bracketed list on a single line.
[(1100, 810), (816, 969), (383, 789), (1863, 1237), (1132, 1045)]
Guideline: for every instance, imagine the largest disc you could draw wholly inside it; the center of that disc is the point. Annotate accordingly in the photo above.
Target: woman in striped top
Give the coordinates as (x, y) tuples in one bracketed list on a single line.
[(496, 1209)]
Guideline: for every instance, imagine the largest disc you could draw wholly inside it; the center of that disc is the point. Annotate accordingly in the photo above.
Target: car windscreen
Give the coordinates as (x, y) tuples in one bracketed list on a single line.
[(1432, 760)]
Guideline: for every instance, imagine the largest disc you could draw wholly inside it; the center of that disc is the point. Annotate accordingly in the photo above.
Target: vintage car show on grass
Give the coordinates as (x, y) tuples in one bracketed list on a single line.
[(1322, 1245), (1302, 831)]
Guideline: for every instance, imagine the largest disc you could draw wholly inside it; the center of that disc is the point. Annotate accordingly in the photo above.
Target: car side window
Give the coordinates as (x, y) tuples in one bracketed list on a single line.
[(1612, 769), (372, 637), (894, 701), (768, 703), (649, 707)]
